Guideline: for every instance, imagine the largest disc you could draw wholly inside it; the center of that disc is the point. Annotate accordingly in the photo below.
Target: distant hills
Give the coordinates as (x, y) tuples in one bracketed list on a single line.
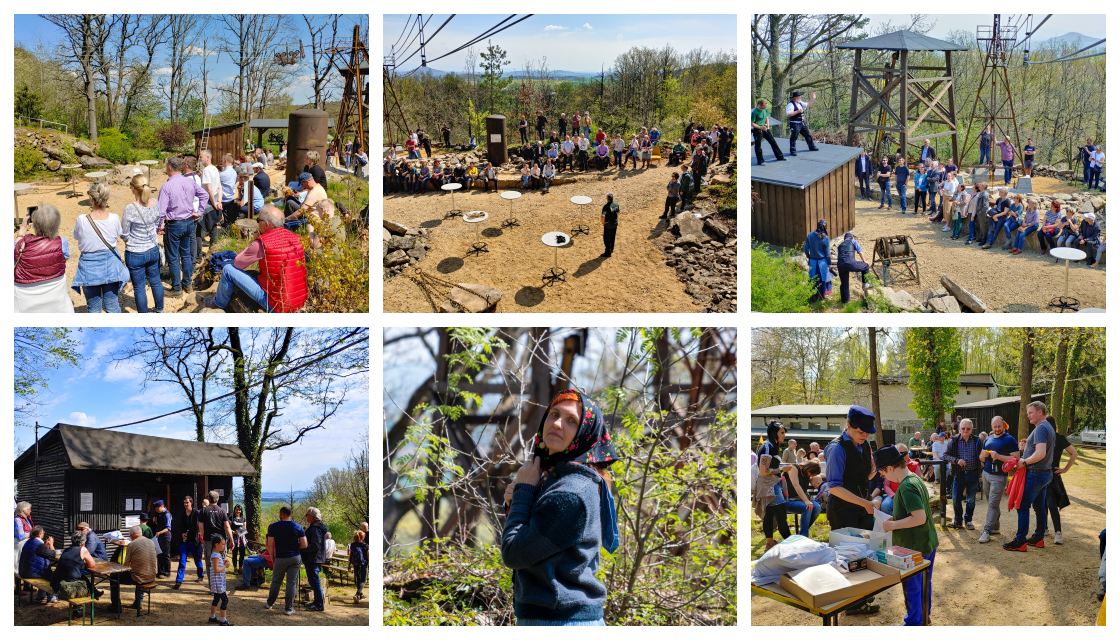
[(557, 74), (282, 496), (1072, 41)]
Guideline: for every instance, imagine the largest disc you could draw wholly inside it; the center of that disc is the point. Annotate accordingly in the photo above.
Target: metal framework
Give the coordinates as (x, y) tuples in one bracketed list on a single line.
[(994, 104), (893, 100), (354, 108)]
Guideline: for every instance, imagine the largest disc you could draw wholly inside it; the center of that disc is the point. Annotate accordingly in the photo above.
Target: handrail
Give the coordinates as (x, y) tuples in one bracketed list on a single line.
[(65, 128)]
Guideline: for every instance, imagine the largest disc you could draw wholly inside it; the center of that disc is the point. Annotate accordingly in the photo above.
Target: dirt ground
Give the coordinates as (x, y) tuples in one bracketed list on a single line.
[(634, 279), (190, 605), (1023, 283), (1051, 586), (58, 194)]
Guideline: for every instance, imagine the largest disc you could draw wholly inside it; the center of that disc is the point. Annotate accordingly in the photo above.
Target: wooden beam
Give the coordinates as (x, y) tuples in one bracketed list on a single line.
[(923, 94), (877, 99), (855, 95), (935, 104)]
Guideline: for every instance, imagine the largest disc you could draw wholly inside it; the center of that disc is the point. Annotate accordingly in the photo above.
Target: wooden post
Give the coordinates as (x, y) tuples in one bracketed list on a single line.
[(855, 94), (904, 104), (952, 106)]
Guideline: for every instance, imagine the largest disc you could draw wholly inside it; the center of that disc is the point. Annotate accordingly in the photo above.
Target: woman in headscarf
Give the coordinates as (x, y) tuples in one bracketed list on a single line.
[(817, 248), (561, 511)]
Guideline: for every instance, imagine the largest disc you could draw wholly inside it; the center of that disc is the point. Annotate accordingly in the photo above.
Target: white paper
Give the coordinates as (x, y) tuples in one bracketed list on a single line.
[(880, 518), (495, 137), (85, 502), (131, 521)]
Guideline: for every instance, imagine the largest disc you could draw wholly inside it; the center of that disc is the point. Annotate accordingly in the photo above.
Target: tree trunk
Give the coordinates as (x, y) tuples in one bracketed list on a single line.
[(873, 360), (1026, 374), (253, 505), (89, 80), (1058, 395)]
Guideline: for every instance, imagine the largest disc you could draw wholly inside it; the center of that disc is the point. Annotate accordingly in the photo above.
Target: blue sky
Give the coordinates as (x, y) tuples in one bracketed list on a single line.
[(33, 32), (98, 393), (579, 42), (1090, 25)]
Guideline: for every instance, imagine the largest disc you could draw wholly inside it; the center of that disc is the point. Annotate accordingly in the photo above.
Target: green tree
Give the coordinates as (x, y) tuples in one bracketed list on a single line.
[(933, 356), (37, 351), (476, 120), (493, 61), (28, 103)]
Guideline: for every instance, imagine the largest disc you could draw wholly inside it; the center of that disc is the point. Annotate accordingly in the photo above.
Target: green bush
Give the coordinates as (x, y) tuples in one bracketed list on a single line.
[(27, 160), (114, 145), (777, 284)]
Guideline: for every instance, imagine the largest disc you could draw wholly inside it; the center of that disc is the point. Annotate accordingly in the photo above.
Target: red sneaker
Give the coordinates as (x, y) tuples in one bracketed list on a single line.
[(1037, 543), (1010, 546)]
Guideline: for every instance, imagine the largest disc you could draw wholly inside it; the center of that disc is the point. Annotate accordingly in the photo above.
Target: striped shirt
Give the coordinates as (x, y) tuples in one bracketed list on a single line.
[(218, 578), (967, 450)]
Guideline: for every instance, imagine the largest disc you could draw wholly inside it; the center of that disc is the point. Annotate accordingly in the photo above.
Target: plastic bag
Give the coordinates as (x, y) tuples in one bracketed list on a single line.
[(795, 552)]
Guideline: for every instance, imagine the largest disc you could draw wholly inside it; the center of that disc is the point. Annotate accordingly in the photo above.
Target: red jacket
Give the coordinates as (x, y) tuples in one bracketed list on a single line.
[(283, 274), (1015, 485), (39, 259)]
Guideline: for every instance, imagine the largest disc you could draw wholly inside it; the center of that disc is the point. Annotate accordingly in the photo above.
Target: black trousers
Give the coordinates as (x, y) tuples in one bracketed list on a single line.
[(670, 206), (864, 185), (115, 591), (609, 232), (775, 517), (800, 128), (524, 135), (163, 560), (764, 134), (845, 270)]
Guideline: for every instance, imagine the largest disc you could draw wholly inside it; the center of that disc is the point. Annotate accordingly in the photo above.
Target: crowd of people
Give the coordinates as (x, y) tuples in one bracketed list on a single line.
[(209, 532), (850, 480), (555, 151), (197, 199)]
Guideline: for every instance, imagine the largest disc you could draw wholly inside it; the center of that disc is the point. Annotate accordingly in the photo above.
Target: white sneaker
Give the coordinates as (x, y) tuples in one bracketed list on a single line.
[(1057, 537), (984, 538)]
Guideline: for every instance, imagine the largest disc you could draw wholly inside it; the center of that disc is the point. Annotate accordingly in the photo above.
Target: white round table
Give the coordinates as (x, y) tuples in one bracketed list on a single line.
[(70, 172), (19, 188), (149, 164), (97, 176), (452, 187), (581, 202), (478, 246), (555, 239), (1065, 302), (510, 221)]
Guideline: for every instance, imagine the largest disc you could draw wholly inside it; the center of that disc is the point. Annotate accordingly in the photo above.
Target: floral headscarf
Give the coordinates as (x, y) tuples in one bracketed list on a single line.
[(591, 445)]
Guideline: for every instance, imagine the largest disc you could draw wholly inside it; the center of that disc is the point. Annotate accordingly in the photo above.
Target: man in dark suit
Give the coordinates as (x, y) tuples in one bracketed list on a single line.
[(863, 174)]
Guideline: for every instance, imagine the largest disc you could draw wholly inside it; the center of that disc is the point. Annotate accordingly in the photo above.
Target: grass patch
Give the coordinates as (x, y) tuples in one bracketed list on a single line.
[(778, 285)]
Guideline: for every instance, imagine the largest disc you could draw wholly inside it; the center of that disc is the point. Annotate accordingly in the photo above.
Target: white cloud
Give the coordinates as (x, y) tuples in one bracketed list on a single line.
[(163, 71), (119, 371), (198, 51), (587, 26), (81, 418), (554, 27)]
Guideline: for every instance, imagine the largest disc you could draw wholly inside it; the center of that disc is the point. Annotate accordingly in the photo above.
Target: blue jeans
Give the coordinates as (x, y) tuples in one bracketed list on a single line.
[(1021, 238), (234, 277), (808, 513), (1009, 228), (912, 591), (1007, 171), (993, 231), (177, 238), (248, 566), (902, 194), (932, 197), (885, 194), (965, 485), (525, 622), (143, 268), (314, 582), (985, 154), (102, 296), (192, 549), (971, 229), (1034, 496)]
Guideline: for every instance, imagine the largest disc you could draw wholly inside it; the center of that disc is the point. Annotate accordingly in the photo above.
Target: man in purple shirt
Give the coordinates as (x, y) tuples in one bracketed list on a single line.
[(178, 216), (1007, 155)]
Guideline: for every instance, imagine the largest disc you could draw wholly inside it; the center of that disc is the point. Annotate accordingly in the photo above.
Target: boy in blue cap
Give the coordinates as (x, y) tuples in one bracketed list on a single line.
[(912, 525)]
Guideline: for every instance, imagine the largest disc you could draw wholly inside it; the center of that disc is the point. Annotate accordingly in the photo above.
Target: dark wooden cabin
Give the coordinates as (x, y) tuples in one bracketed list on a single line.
[(794, 194), (224, 138), (108, 478), (982, 412)]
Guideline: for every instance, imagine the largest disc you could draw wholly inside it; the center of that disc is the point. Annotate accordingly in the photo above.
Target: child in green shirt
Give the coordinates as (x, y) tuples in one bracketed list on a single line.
[(912, 526)]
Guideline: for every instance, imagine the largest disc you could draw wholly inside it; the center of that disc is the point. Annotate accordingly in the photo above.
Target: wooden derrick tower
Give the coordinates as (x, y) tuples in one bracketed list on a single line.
[(994, 104), (354, 108)]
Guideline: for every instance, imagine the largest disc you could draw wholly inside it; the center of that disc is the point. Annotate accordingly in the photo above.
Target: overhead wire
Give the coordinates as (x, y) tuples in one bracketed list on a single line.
[(492, 31), (1069, 56), (425, 43), (404, 33)]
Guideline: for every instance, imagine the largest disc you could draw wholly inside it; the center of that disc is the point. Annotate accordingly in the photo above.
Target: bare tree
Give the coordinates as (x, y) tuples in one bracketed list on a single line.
[(247, 42), (184, 30), (85, 36), (324, 38), (151, 38)]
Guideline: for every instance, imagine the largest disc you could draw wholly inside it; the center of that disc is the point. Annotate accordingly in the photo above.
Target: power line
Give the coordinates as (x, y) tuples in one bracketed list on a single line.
[(326, 355), (492, 31), (1069, 57), (1034, 30), (418, 32), (1091, 55), (403, 34)]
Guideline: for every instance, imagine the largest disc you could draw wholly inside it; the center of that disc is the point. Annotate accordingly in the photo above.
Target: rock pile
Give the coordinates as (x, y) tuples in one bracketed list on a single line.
[(402, 246), (57, 151), (703, 254)]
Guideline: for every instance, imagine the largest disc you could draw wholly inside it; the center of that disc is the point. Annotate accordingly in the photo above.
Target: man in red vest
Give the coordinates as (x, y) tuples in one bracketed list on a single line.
[(281, 286)]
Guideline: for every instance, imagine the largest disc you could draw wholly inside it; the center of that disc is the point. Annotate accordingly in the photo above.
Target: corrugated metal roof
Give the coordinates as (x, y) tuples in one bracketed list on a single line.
[(99, 449), (903, 41), (807, 168), (796, 410), (995, 402), (218, 127)]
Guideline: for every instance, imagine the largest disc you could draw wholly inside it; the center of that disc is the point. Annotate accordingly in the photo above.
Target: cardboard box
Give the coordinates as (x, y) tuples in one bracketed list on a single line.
[(876, 540), (859, 583)]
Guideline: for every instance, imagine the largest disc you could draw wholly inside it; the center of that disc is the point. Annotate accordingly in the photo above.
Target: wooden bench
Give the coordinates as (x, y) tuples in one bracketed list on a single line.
[(147, 588), (76, 603), (340, 564)]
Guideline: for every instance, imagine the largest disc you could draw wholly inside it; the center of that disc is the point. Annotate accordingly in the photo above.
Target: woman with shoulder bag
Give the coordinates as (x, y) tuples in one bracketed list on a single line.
[(101, 271)]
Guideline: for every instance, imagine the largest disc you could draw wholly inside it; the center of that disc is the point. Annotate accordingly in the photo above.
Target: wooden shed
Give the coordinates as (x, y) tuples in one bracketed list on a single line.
[(796, 193), (982, 412), (108, 478), (224, 138)]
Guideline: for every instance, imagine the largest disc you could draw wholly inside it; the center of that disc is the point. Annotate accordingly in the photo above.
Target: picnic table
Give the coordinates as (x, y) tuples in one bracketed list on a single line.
[(830, 613)]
